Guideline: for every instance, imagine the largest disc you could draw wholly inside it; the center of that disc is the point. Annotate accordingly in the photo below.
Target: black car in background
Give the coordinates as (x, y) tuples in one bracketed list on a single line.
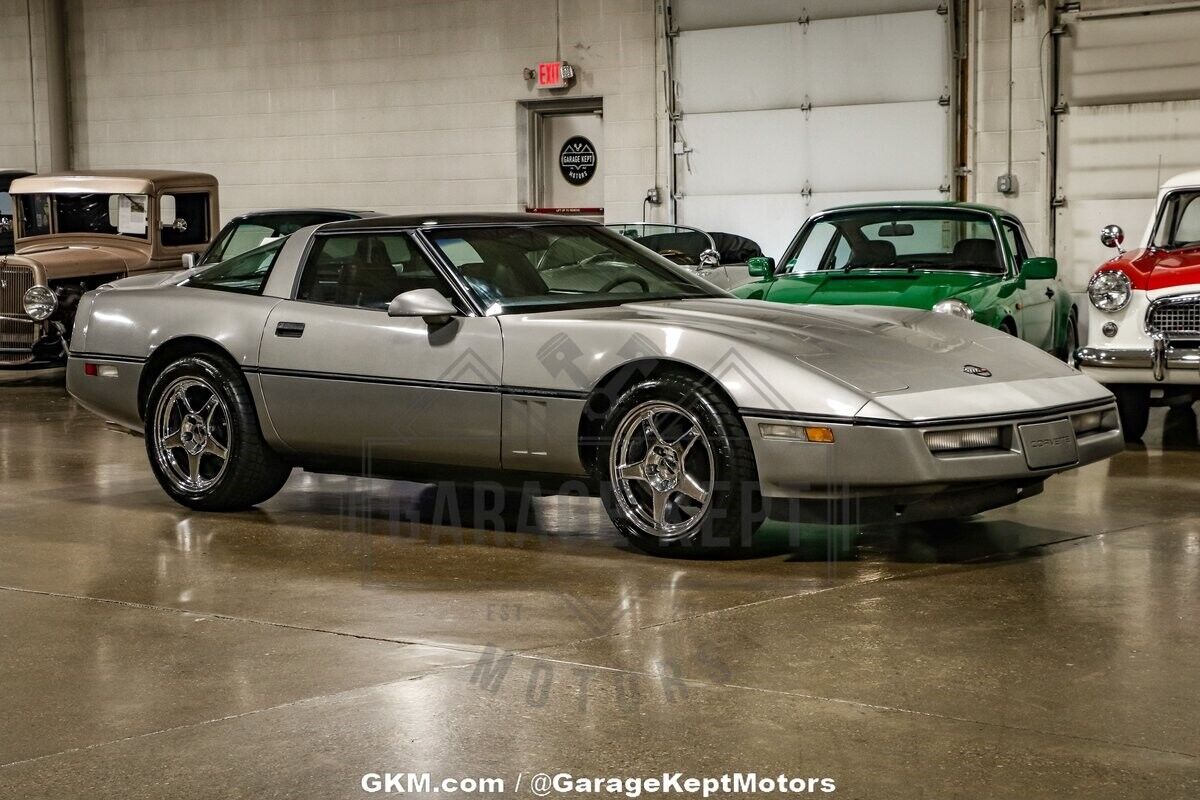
[(248, 231), (7, 176)]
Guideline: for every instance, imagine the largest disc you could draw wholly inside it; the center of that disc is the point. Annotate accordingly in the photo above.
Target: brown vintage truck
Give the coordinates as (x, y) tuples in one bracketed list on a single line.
[(76, 231)]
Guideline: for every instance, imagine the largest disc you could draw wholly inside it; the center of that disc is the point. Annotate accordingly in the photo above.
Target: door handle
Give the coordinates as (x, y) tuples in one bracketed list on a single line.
[(1050, 294), (290, 330)]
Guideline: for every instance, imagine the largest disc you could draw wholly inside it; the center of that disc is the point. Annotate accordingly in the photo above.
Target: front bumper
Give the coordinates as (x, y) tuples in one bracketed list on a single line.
[(1162, 362), (893, 469)]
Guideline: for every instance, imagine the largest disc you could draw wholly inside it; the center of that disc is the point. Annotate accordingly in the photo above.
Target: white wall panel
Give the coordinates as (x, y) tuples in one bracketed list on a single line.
[(699, 14), (1112, 160), (745, 152), (1132, 88), (787, 65), (776, 116), (1133, 58), (887, 146)]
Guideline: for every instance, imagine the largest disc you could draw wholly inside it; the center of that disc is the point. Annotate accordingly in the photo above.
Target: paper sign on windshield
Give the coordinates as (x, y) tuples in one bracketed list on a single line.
[(131, 215)]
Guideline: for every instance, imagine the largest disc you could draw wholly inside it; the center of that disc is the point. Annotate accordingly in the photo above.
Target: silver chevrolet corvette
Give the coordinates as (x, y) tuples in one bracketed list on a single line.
[(457, 347)]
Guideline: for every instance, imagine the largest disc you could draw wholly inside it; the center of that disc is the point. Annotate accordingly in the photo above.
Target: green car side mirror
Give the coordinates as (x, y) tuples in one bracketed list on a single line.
[(761, 266), (1039, 269)]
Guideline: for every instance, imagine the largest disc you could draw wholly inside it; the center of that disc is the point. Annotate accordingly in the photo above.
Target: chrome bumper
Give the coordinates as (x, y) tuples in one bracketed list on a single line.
[(1158, 358)]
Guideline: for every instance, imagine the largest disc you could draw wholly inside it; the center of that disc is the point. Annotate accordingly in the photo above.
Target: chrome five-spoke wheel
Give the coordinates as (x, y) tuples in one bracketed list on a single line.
[(192, 434), (661, 465)]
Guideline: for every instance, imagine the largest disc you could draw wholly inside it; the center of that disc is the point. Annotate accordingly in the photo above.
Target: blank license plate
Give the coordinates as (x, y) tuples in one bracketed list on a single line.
[(1049, 444)]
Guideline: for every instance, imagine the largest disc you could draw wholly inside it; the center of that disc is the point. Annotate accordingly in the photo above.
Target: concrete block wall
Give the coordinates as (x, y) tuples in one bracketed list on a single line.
[(394, 105), (24, 97), (988, 116)]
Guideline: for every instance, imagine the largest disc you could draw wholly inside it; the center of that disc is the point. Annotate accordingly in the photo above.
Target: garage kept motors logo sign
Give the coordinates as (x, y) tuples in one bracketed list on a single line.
[(577, 160)]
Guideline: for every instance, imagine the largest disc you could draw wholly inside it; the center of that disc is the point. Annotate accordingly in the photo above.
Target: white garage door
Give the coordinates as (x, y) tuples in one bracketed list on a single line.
[(786, 108), (1131, 84)]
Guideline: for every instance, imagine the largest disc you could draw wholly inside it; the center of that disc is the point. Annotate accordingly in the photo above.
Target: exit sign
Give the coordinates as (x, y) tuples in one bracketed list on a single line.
[(554, 74)]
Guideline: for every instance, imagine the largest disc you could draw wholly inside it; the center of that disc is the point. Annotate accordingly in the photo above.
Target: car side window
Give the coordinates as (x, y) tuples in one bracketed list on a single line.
[(366, 270), (1016, 243), (1187, 229), (190, 225), (812, 253)]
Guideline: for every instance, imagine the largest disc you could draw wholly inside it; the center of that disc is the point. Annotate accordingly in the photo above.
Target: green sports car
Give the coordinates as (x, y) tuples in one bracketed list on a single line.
[(969, 260)]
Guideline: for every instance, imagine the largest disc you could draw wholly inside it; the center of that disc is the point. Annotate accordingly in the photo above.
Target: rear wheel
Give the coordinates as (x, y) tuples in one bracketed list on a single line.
[(204, 441), (676, 469), (1133, 406)]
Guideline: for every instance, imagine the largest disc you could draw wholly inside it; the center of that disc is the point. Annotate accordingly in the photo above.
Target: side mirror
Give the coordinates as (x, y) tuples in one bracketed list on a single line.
[(1112, 236), (191, 260), (1039, 269), (425, 303), (761, 266), (709, 259)]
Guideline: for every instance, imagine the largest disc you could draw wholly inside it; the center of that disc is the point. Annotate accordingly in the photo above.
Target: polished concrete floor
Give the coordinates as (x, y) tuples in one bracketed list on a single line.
[(1051, 649)]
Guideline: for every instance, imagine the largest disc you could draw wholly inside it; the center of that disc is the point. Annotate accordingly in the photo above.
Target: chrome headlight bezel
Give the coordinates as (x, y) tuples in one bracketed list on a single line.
[(1110, 290), (40, 303), (955, 308)]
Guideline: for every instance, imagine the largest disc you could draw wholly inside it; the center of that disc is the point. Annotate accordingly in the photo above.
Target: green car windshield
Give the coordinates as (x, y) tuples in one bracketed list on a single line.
[(542, 267), (898, 238)]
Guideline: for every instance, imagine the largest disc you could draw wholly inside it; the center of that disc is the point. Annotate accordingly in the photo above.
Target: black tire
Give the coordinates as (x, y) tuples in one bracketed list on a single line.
[(724, 525), (1009, 327), (1133, 406), (1067, 354), (249, 473)]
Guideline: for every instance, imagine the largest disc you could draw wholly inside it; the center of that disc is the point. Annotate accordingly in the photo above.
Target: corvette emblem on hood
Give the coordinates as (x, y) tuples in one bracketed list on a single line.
[(978, 372)]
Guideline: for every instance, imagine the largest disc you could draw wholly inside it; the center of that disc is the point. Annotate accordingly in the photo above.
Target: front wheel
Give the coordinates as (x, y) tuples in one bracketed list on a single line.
[(1133, 406), (203, 438), (676, 469)]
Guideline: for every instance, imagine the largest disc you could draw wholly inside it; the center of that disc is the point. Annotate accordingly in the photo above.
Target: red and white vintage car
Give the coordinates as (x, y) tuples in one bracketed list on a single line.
[(1144, 327)]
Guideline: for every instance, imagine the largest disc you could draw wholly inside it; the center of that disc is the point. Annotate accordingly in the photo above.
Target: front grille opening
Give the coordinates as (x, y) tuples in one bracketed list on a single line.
[(1179, 320), (17, 331)]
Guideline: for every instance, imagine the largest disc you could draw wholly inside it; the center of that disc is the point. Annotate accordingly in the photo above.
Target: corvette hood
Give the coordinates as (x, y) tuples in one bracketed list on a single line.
[(884, 288), (872, 350)]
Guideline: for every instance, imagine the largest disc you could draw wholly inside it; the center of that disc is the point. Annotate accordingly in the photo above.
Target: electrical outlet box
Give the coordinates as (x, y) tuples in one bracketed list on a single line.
[(1006, 184)]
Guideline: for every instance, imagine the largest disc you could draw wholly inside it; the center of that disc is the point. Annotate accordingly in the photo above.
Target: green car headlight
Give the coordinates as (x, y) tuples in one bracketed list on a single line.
[(1110, 290), (955, 308)]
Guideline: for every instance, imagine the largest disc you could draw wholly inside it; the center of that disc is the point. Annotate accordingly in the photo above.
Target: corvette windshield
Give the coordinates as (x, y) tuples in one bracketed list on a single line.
[(243, 274), (529, 267), (894, 238)]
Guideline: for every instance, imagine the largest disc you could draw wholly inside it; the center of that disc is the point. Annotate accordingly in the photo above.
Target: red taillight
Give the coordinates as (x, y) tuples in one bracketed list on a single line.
[(90, 369)]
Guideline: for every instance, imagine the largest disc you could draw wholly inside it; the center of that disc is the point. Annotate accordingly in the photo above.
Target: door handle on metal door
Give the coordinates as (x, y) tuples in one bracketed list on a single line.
[(1050, 294), (290, 330)]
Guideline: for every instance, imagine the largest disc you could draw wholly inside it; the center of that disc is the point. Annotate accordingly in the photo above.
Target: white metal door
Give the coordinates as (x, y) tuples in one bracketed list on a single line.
[(1129, 118), (570, 163), (787, 108)]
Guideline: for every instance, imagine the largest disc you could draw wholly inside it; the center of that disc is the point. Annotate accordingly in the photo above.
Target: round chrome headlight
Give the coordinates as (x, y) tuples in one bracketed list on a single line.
[(955, 308), (40, 303), (1110, 290)]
